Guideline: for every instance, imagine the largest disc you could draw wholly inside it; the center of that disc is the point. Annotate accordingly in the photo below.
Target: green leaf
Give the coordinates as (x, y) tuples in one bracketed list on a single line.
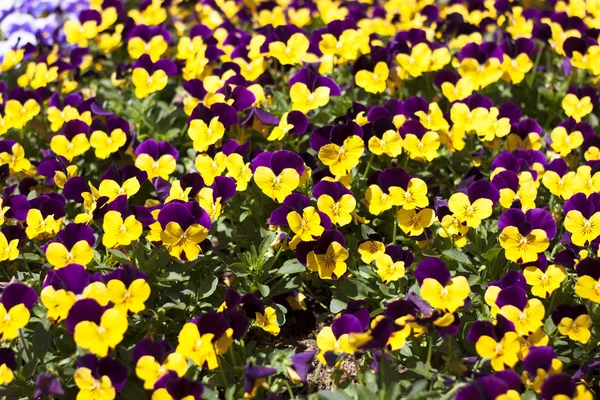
[(265, 245), (41, 341), (239, 269), (208, 286), (264, 289), (290, 267), (333, 395), (337, 305), (491, 254), (457, 256)]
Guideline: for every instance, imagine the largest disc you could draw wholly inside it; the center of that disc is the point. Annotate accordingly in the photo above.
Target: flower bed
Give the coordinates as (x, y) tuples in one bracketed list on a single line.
[(299, 200)]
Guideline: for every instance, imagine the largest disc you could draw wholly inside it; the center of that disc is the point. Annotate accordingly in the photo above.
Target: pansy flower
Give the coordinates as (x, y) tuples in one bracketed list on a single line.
[(173, 387), (453, 87), (337, 340), (74, 245), (582, 218), (588, 178), (212, 198), (301, 366), (326, 255), (278, 173), (422, 57), (155, 359), (95, 328), (516, 191), (293, 122), (310, 91), (526, 314), (62, 288), (305, 222), (21, 107), (511, 278), (559, 180), (439, 288), (108, 139), (481, 63), (120, 226), (420, 144), (16, 303), (266, 317), (72, 107), (149, 77), (156, 158), (580, 102), (335, 200), (588, 283), (540, 363), (208, 125), (373, 78), (85, 27), (394, 187), (184, 227), (127, 288), (371, 248), (339, 42), (476, 205), (573, 321), (392, 264), (12, 154), (8, 364), (569, 135), (287, 44), (517, 58), (125, 181), (525, 135), (544, 279), (504, 385), (99, 378), (195, 94), (210, 167), (524, 235), (385, 139), (498, 342), (72, 141), (153, 41), (198, 346), (44, 217), (255, 377), (562, 386), (339, 147)]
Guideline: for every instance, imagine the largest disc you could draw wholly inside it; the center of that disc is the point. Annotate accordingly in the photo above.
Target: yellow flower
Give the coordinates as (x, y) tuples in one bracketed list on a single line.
[(577, 108), (58, 303), (527, 320), (330, 263), (388, 270), (305, 226), (205, 135), (268, 321), (424, 148), (98, 339), (583, 231), (210, 168), (339, 212), (145, 84), (276, 187), (471, 214), (119, 232), (292, 52), (105, 145), (163, 167), (577, 329), (543, 283), (588, 288), (180, 242), (526, 248), (304, 100), (341, 160), (58, 255), (198, 348), (450, 297), (564, 142), (238, 170), (92, 388), (373, 82), (12, 320), (389, 144), (413, 222), (500, 353), (77, 146), (150, 371)]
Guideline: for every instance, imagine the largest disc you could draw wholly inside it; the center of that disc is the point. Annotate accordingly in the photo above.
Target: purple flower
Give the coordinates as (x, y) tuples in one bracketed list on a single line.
[(179, 388), (301, 366), (47, 385), (255, 377), (105, 367), (18, 293)]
